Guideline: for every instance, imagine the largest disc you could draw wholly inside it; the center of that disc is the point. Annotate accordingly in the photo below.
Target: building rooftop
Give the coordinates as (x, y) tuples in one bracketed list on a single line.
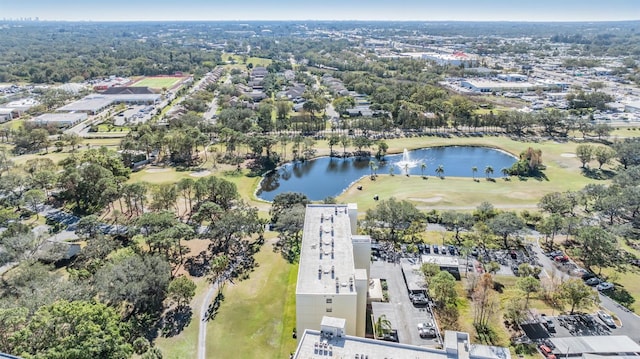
[(326, 256), (89, 103), (441, 260), (605, 344), (499, 84), (60, 117), (314, 344)]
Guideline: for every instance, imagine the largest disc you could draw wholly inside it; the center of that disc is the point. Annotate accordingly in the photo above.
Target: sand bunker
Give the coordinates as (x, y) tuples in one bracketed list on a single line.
[(200, 173), (568, 155), (427, 200), (157, 170)]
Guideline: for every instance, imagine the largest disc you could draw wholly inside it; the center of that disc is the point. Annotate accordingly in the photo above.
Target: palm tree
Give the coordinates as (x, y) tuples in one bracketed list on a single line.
[(488, 171), (440, 171), (423, 167), (382, 326), (406, 169), (371, 166), (505, 172), (391, 170), (474, 169)]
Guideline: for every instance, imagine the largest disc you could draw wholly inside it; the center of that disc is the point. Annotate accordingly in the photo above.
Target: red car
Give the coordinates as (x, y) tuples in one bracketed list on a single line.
[(561, 259), (547, 352)]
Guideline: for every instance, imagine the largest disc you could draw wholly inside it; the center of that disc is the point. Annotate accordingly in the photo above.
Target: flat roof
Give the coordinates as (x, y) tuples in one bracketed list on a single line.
[(314, 345), (601, 344), (349, 346), (326, 246), (88, 104), (60, 117), (411, 271), (449, 261)]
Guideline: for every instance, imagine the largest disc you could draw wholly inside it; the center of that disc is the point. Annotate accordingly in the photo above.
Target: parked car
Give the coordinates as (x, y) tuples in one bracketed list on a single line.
[(515, 270), (555, 254), (392, 336), (592, 281), (452, 250), (604, 286), (606, 318), (587, 275), (561, 259), (427, 248), (548, 323), (418, 299), (474, 251), (426, 330), (547, 352), (435, 249), (443, 250)]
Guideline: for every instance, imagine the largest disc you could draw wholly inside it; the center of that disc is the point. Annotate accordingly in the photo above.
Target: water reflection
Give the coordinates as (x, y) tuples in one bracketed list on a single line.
[(324, 177)]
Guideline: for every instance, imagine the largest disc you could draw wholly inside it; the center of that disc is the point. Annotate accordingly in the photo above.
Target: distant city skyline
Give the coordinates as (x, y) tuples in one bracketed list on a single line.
[(377, 10)]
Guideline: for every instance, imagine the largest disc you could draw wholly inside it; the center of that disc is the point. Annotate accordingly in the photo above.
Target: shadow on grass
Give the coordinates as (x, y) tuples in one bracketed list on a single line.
[(212, 311), (175, 320), (597, 174), (622, 296)]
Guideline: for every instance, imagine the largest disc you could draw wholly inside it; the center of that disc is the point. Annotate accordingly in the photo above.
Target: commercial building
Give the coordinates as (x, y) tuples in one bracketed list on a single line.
[(333, 275), (331, 342), (605, 345), (91, 104), (60, 119), (496, 86), (132, 95)]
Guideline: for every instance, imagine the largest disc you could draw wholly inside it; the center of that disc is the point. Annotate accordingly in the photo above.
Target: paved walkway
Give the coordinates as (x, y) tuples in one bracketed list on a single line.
[(204, 320)]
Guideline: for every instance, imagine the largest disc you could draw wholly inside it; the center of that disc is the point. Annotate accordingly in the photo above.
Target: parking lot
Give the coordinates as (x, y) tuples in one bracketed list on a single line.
[(402, 314), (133, 114)]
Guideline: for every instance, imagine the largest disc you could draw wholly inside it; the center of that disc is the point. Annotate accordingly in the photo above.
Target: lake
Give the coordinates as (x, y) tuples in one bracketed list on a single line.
[(323, 177)]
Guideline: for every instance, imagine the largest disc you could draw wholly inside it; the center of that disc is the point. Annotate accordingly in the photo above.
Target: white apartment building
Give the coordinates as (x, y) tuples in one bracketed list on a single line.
[(333, 274)]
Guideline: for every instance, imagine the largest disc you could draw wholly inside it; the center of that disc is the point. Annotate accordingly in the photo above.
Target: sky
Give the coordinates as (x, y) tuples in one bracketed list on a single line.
[(427, 10)]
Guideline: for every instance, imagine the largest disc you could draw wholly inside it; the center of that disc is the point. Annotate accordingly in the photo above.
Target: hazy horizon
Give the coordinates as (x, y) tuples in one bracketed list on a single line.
[(328, 10)]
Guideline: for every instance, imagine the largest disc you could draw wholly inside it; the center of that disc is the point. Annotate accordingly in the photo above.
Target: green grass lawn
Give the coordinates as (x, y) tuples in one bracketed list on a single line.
[(159, 82), (256, 61), (110, 128), (258, 315)]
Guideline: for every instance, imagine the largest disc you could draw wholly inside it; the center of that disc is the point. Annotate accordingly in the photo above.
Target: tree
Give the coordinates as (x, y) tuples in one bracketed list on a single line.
[(382, 326), (285, 201), (628, 151), (576, 294), (77, 329), (440, 171), (456, 222), (515, 310), (391, 218), (550, 226), (474, 170), (289, 225), (557, 203), (429, 270), (528, 285), (333, 140), (603, 155), (597, 246), (488, 171), (584, 154), (217, 273), (442, 289), (344, 141), (33, 198), (182, 290), (139, 283), (506, 224)]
